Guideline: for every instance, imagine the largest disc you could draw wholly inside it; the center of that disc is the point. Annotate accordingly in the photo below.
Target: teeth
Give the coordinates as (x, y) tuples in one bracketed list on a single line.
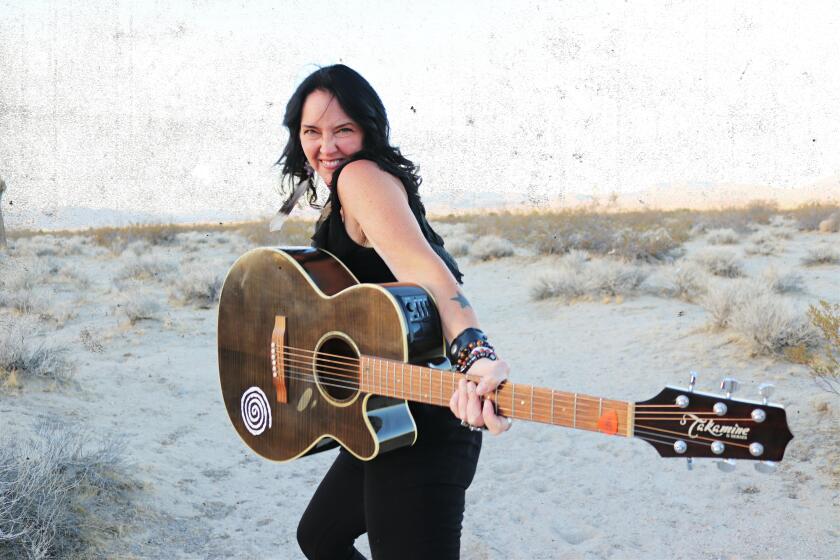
[(331, 164)]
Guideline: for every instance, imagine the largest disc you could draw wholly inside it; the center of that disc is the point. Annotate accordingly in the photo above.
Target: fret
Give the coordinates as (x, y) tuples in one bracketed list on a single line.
[(532, 402), (552, 406), (513, 400), (600, 406), (394, 384), (411, 381), (431, 389), (574, 412), (402, 379), (440, 378)]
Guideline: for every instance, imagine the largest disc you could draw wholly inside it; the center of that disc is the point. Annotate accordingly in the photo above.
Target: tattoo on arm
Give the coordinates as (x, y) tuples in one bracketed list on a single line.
[(461, 299)]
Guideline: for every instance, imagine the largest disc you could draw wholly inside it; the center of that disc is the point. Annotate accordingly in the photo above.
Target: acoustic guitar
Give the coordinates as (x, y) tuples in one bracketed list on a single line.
[(310, 358)]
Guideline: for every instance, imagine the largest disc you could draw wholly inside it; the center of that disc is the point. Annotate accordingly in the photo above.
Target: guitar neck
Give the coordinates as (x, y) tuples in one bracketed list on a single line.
[(391, 378)]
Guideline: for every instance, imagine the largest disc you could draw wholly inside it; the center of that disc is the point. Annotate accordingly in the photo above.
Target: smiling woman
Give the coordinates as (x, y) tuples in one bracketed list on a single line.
[(411, 500)]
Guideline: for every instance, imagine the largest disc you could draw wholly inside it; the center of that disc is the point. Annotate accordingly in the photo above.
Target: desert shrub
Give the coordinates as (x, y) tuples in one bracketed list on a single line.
[(783, 282), (685, 280), (491, 247), (294, 232), (721, 300), (771, 325), (145, 267), (720, 262), (830, 224), (198, 286), (724, 236), (577, 276), (53, 488), (763, 243), (821, 254), (825, 364), (139, 309), (90, 341), (648, 245), (458, 246), (21, 355), (809, 216)]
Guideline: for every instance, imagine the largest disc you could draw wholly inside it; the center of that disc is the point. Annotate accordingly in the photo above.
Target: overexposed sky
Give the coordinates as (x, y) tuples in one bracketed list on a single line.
[(156, 110)]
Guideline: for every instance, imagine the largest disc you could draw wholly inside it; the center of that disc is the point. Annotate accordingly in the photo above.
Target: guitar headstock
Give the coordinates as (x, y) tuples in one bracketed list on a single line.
[(685, 423)]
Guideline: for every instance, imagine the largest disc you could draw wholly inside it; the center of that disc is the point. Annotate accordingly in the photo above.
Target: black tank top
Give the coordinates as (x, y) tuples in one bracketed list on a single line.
[(436, 424), (364, 262)]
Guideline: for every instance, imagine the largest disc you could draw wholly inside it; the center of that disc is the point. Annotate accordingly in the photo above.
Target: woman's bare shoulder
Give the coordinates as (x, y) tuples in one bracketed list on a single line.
[(365, 178)]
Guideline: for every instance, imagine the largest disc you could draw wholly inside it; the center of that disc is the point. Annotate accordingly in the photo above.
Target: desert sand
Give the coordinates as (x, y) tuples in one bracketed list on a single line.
[(540, 491)]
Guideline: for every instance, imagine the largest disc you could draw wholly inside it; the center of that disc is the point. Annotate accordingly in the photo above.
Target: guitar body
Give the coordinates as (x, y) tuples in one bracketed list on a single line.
[(327, 315)]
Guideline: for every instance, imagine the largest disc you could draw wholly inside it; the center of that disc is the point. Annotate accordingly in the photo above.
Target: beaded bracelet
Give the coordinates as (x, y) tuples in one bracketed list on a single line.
[(468, 347)]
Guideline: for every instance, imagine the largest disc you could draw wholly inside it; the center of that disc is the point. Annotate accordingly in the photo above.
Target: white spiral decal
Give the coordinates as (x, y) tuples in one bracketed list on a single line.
[(256, 412)]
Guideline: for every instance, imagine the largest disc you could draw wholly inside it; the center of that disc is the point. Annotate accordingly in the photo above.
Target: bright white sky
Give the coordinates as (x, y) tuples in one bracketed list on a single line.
[(176, 110)]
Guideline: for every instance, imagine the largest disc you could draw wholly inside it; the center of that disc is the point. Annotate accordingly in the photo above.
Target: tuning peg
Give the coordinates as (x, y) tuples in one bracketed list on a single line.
[(765, 390), (729, 385), (692, 381), (726, 465), (766, 467), (689, 463)]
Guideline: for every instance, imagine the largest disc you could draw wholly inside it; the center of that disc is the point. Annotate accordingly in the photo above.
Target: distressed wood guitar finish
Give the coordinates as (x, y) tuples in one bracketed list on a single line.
[(309, 357)]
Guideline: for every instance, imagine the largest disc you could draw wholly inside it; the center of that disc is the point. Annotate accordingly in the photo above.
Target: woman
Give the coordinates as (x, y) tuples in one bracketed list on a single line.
[(409, 501)]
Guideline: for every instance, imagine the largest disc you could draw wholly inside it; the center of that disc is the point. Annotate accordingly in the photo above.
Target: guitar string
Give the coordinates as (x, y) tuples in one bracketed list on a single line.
[(353, 374), (639, 431), (581, 416), (541, 402)]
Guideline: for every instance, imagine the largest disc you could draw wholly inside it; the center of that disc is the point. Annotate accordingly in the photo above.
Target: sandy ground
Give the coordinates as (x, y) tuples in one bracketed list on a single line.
[(540, 491)]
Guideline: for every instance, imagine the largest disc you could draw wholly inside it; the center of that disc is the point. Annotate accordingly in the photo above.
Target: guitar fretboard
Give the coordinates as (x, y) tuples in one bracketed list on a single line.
[(515, 400)]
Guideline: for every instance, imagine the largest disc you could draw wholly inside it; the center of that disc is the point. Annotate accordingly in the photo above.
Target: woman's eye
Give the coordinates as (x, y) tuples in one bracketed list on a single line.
[(345, 130), (308, 131)]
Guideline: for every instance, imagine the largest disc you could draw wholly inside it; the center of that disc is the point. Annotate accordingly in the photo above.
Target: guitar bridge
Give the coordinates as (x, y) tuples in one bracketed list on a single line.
[(278, 371)]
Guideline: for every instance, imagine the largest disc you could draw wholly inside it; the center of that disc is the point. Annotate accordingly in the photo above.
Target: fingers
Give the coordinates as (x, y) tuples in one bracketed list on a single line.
[(453, 403), (462, 400), (474, 416), (495, 423)]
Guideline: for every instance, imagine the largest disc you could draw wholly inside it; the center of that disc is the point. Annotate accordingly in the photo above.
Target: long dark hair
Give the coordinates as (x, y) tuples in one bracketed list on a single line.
[(362, 104)]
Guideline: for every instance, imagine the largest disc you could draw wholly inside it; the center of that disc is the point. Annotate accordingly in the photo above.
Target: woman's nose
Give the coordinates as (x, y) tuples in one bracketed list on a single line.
[(327, 144)]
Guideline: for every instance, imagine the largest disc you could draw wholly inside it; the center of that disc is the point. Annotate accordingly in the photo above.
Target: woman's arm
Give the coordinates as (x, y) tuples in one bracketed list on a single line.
[(377, 201)]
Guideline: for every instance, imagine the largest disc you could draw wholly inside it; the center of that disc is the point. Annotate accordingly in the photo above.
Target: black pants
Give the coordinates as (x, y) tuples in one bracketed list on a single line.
[(409, 501)]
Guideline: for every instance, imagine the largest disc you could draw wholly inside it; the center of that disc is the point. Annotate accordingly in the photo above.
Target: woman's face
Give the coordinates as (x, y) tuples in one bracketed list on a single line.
[(328, 136)]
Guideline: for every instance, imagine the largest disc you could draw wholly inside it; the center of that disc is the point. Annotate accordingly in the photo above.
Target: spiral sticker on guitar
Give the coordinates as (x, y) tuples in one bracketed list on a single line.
[(256, 412)]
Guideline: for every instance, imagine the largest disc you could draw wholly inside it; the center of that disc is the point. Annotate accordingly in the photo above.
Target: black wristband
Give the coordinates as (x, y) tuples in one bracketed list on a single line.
[(460, 344)]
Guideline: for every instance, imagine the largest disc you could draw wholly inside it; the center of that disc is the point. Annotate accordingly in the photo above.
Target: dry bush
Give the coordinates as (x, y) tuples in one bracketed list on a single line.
[(117, 238), (830, 224), (58, 492), (723, 236), (146, 267), (576, 276), (490, 247), (458, 246), (771, 325), (783, 282), (22, 355), (821, 254), (685, 280), (720, 262), (139, 309), (825, 364), (294, 232), (809, 216), (763, 243), (740, 219), (198, 286), (649, 236), (90, 341), (722, 299)]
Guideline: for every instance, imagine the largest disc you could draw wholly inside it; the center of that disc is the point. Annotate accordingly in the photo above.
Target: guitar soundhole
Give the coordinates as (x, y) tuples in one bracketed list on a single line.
[(336, 369)]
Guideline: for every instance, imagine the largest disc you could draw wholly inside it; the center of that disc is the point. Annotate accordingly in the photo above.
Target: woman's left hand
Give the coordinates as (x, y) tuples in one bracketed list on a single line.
[(467, 402)]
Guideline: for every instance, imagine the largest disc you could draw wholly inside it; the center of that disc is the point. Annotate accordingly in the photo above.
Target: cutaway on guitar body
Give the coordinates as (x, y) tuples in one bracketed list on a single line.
[(293, 326)]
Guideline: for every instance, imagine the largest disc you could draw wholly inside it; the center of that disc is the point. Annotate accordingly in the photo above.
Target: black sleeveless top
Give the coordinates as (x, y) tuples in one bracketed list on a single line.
[(364, 262)]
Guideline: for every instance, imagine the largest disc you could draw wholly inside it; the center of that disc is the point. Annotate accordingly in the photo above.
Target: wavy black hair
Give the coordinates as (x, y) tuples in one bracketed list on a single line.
[(362, 104)]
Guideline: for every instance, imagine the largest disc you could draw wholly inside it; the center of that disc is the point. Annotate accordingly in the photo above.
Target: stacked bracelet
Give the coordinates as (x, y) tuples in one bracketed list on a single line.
[(468, 347)]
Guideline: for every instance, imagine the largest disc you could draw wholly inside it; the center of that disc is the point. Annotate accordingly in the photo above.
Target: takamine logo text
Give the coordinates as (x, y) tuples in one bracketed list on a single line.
[(708, 426)]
